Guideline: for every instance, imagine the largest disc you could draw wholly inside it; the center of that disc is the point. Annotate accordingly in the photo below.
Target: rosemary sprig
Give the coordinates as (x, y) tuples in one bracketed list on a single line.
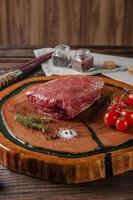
[(40, 119), (33, 122), (36, 123)]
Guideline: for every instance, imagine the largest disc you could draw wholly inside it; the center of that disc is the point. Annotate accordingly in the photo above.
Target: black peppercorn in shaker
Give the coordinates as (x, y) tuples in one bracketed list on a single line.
[(60, 56)]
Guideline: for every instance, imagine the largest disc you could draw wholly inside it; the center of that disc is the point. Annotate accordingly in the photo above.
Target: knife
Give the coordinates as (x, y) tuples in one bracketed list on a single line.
[(24, 69)]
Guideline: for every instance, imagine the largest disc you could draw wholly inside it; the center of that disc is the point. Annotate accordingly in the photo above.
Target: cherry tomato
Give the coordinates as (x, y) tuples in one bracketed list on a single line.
[(123, 100), (130, 99), (128, 115), (121, 124), (111, 108), (110, 118), (116, 97), (120, 106), (114, 102)]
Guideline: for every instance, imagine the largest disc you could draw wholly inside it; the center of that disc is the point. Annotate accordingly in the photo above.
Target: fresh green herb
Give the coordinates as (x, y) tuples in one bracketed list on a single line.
[(40, 119), (37, 123), (31, 122)]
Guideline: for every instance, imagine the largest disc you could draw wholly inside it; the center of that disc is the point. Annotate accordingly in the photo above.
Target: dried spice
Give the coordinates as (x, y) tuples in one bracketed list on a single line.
[(109, 64), (82, 60), (60, 57)]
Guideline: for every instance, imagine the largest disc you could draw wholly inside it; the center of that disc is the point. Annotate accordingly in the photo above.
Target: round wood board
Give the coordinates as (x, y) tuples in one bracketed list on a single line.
[(97, 152)]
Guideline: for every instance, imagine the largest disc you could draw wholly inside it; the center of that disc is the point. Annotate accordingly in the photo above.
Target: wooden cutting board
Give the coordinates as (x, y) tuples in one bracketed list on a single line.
[(97, 152)]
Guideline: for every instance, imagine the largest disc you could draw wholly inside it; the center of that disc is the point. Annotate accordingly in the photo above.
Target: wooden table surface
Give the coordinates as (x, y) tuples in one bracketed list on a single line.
[(15, 186)]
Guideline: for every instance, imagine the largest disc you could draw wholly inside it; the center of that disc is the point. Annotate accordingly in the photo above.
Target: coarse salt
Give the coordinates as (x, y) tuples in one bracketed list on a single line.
[(66, 133)]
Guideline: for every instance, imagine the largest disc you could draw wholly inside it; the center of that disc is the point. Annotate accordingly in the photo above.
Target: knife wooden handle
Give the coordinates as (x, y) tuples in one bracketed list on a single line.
[(9, 78)]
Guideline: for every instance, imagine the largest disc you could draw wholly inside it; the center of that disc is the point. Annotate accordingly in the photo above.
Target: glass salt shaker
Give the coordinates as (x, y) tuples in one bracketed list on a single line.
[(82, 60), (60, 56)]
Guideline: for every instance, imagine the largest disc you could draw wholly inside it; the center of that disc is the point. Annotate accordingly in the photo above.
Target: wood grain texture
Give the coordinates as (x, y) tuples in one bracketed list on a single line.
[(69, 170), (50, 166), (73, 22), (11, 56), (16, 186)]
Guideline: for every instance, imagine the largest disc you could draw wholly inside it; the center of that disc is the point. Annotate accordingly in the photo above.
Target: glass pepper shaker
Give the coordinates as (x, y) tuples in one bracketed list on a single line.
[(60, 56), (82, 60)]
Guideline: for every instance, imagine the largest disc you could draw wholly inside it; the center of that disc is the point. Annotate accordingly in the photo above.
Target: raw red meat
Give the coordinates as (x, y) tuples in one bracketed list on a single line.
[(65, 98)]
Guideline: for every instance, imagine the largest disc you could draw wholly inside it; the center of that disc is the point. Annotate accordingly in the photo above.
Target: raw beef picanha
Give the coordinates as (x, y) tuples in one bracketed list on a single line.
[(66, 97)]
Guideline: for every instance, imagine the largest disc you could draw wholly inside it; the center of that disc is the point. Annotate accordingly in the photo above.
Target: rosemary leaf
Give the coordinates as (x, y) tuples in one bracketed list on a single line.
[(39, 119), (31, 122)]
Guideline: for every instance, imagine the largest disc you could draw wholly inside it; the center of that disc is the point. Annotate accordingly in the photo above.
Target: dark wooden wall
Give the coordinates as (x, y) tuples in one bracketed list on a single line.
[(74, 22)]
